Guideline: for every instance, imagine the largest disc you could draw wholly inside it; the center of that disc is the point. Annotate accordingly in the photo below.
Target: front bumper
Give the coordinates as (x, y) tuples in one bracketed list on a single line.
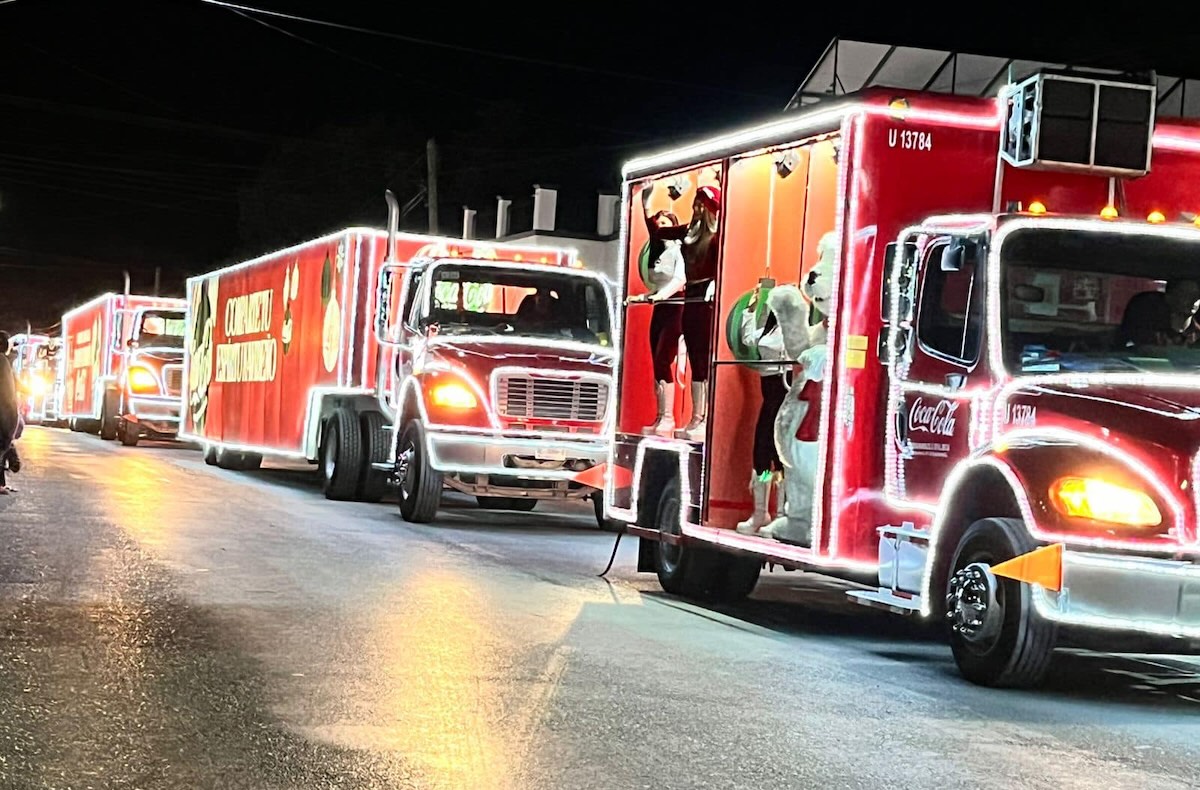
[(1123, 593), (158, 416), (528, 458)]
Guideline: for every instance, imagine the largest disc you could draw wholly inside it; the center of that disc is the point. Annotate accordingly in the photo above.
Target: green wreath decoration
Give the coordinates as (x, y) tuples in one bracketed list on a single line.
[(733, 325)]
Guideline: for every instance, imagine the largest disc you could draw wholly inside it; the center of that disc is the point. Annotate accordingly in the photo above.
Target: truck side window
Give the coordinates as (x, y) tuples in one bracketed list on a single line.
[(951, 310), (414, 285)]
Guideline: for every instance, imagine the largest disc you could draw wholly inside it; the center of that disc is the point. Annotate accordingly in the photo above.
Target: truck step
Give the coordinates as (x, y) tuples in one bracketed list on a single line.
[(884, 598), (907, 531)]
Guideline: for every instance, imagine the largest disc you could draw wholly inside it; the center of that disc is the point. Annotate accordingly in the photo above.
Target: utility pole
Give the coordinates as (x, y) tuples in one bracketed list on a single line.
[(431, 192)]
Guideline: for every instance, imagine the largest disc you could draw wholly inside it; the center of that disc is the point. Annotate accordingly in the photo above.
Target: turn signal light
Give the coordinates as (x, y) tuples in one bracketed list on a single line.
[(1037, 207), (142, 381), (1099, 500), (1156, 217), (1109, 212), (452, 395)]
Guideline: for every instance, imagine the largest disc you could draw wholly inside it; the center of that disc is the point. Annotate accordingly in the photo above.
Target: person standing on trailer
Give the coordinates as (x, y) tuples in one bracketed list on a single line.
[(701, 246), (761, 331), (667, 278)]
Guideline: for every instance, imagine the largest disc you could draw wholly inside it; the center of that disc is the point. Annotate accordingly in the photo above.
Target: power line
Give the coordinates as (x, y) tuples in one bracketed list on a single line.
[(481, 52), (109, 196), (98, 78), (432, 87)]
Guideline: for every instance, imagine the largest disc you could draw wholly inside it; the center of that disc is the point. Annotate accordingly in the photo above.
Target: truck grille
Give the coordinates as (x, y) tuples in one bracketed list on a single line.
[(522, 398), (173, 379)]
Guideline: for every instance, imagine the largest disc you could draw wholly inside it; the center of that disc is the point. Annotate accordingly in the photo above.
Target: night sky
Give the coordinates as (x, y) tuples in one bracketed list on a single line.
[(177, 134)]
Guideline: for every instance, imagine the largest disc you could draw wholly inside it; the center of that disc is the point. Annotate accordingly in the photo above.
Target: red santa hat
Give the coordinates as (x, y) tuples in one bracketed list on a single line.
[(710, 197)]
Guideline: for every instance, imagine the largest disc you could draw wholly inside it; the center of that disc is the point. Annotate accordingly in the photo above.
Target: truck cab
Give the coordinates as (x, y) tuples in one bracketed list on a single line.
[(1043, 374), (501, 381), (143, 401)]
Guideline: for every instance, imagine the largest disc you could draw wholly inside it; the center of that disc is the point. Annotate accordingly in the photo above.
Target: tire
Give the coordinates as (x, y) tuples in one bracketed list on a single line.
[(129, 433), (109, 423), (341, 455), (228, 459), (73, 425), (421, 486), (1020, 654), (739, 579), (682, 570), (376, 443), (696, 572), (210, 454), (506, 503), (249, 462)]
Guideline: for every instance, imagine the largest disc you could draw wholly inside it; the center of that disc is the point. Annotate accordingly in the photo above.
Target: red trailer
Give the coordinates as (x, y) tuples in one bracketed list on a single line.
[(123, 366), (283, 357), (990, 351)]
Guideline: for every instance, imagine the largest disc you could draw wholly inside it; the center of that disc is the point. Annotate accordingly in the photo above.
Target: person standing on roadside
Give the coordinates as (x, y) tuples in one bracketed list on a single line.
[(10, 416)]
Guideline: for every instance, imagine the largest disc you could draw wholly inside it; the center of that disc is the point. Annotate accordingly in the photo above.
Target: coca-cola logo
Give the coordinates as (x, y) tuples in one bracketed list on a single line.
[(936, 418)]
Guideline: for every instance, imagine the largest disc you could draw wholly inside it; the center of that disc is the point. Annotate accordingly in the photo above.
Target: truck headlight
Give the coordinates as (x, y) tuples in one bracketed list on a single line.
[(142, 381), (452, 395), (1099, 500)]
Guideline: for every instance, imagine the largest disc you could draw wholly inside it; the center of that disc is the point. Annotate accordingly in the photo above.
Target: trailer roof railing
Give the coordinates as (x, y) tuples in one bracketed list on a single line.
[(848, 66)]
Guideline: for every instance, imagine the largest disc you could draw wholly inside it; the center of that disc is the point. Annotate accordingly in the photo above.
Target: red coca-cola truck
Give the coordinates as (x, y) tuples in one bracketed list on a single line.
[(284, 358), (123, 366), (993, 355), (35, 361)]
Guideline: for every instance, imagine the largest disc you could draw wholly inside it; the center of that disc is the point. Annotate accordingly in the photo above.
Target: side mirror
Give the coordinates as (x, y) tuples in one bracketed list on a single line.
[(903, 336), (131, 343), (386, 304), (958, 254), (898, 259)]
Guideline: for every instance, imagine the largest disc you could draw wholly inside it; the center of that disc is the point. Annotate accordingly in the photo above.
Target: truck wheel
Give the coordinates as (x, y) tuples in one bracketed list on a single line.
[(738, 580), (506, 503), (682, 570), (249, 461), (420, 484), (210, 454), (996, 636), (129, 433), (376, 443), (108, 417), (227, 459), (341, 454)]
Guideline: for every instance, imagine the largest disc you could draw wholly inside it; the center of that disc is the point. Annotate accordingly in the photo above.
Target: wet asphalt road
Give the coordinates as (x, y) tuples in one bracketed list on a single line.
[(164, 624)]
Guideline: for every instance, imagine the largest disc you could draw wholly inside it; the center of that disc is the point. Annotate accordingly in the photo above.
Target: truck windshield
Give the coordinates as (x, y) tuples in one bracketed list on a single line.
[(161, 329), (469, 299), (1085, 301)]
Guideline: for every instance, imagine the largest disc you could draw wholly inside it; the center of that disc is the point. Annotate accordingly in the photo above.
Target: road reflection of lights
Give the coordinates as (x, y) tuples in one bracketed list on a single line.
[(442, 667)]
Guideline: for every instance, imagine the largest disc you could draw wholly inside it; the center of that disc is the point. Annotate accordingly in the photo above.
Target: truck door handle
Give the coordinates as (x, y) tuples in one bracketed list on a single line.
[(955, 381), (902, 424)]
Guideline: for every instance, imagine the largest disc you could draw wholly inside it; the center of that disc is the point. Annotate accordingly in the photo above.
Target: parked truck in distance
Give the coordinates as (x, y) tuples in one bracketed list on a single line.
[(123, 367)]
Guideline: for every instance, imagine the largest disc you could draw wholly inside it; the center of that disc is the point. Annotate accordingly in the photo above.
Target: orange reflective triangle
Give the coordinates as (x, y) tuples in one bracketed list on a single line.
[(594, 477), (1041, 566)]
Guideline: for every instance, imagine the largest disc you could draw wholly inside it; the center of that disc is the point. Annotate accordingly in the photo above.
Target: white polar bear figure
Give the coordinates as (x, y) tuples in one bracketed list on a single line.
[(806, 344)]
